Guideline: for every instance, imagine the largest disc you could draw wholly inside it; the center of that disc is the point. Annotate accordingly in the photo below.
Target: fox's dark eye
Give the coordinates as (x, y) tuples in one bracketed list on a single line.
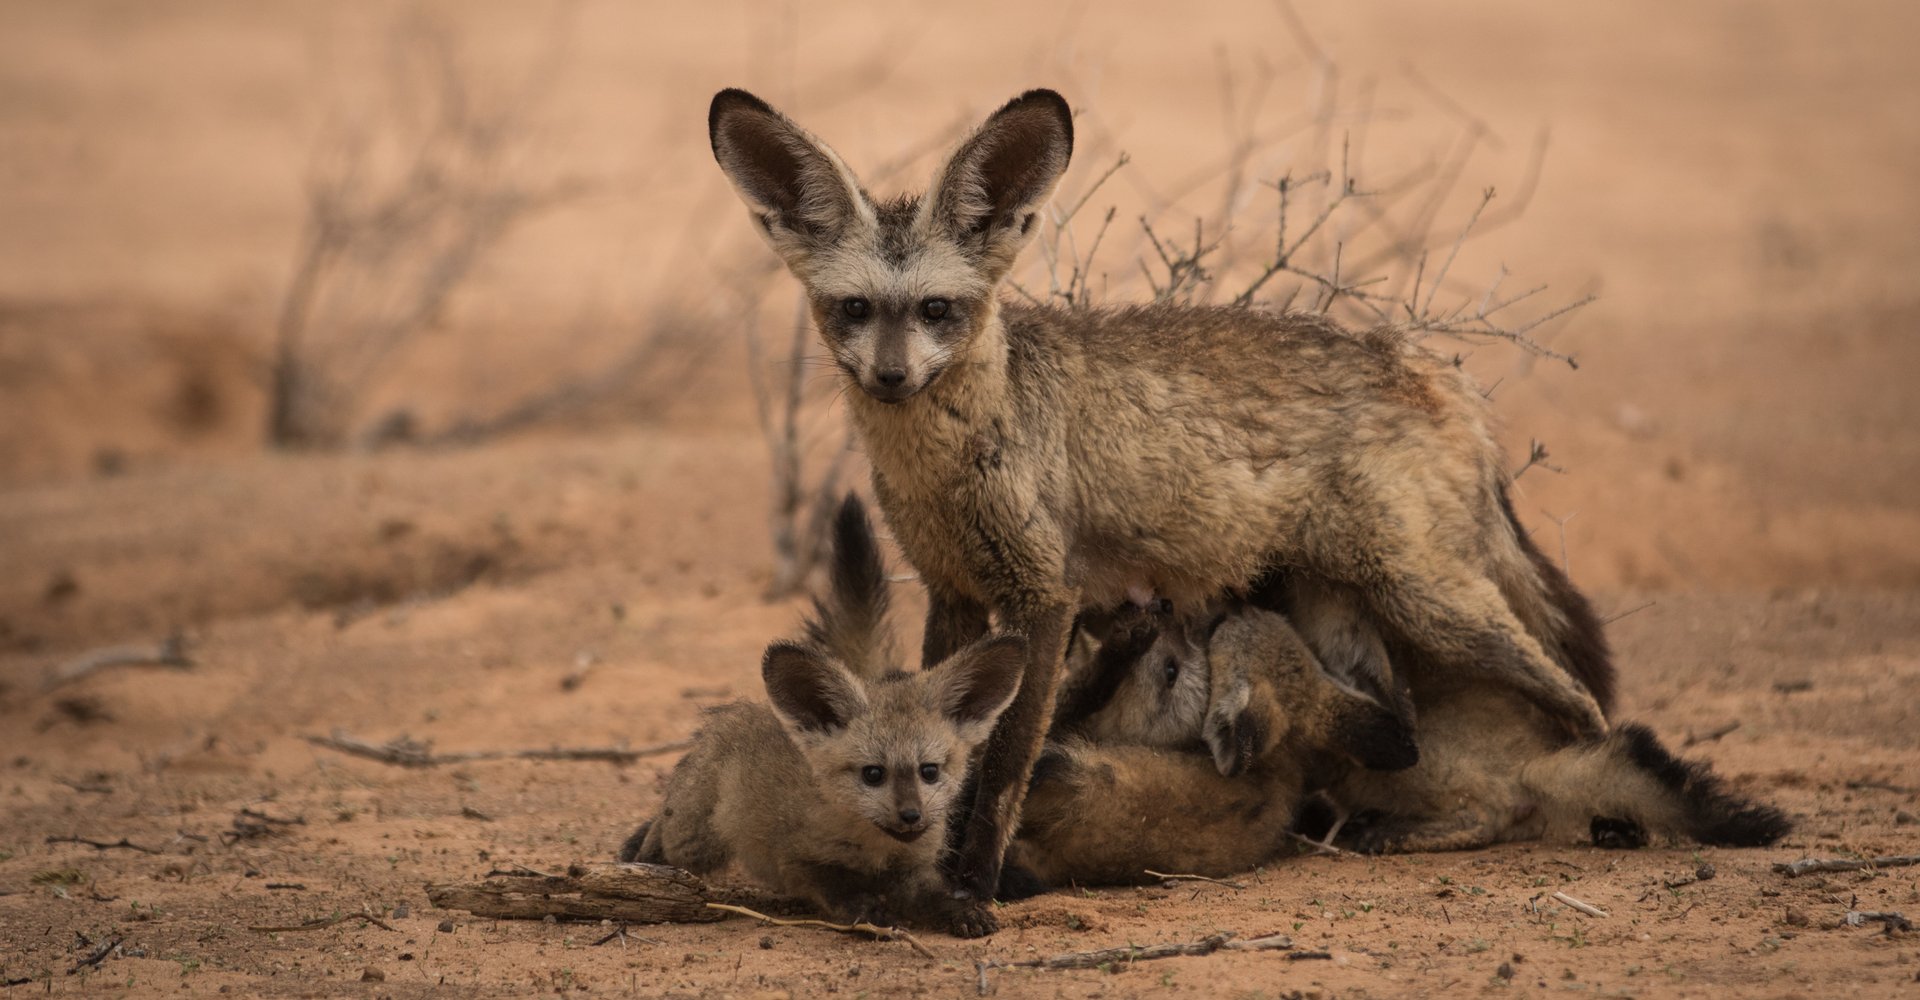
[(934, 309), (1172, 670), (929, 773), (873, 774), (855, 308)]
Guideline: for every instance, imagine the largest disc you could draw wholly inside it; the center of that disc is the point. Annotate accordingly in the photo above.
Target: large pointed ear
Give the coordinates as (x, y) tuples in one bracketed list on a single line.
[(812, 694), (988, 196), (802, 195), (976, 684), (1244, 720)]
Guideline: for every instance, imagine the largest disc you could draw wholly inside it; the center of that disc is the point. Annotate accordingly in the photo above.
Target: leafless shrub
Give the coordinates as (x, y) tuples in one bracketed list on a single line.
[(402, 205), (1371, 255)]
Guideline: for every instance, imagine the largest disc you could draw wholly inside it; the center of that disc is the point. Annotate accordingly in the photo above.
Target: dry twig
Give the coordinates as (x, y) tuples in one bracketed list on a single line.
[(171, 652), (871, 930), (1536, 455), (1114, 958), (1807, 866), (97, 955), (1584, 907), (1711, 735), (101, 845), (403, 751), (325, 922), (1175, 877)]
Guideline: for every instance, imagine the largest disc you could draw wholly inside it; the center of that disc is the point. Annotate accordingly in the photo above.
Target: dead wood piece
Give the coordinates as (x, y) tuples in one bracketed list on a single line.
[(1895, 921), (101, 845), (623, 893), (252, 824), (97, 955), (404, 751), (871, 930), (1807, 866), (171, 652)]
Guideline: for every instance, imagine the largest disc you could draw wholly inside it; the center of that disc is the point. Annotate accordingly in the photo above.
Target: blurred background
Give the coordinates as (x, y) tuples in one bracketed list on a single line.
[(233, 228), (268, 270)]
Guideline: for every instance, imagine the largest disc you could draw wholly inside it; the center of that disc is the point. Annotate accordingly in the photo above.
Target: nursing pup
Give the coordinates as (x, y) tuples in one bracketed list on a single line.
[(1188, 747), (1493, 765)]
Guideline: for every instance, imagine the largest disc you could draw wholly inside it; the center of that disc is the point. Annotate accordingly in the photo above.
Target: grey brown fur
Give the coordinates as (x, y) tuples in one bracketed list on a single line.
[(1150, 795), (1031, 461), (789, 791), (1492, 766)]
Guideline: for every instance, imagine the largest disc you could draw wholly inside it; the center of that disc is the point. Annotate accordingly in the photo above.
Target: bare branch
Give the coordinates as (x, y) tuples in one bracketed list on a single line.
[(402, 751)]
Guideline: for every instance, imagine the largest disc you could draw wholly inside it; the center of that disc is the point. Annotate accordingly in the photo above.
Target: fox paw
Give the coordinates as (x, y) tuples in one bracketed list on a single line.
[(972, 920)]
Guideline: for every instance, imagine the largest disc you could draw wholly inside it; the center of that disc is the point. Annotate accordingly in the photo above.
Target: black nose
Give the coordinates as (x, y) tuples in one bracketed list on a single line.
[(892, 378), (909, 815)]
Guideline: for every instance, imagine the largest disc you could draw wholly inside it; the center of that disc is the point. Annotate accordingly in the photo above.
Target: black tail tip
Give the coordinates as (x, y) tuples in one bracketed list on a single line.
[(850, 520), (859, 578), (1715, 815), (1053, 765), (1018, 883), (630, 851)]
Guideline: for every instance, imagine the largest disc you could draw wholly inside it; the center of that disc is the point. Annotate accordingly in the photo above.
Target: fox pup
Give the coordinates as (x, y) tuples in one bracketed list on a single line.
[(1123, 788), (1032, 460), (838, 791), (1493, 765)]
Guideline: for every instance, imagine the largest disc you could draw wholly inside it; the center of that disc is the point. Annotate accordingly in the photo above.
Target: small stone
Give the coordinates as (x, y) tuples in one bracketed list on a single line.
[(1704, 872), (1796, 917), (853, 972), (446, 927), (1904, 818), (766, 942), (372, 974), (401, 912), (1505, 971)]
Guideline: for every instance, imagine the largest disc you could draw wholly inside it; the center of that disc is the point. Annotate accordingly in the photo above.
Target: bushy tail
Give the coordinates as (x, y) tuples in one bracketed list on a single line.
[(851, 622), (1626, 788), (635, 849), (1557, 614)]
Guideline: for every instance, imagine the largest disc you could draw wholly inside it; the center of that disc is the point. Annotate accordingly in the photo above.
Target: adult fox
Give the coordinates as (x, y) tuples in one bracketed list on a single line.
[(1031, 460)]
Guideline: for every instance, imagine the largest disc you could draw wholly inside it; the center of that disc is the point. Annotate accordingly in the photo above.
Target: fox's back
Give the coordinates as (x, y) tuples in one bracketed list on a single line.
[(1180, 428)]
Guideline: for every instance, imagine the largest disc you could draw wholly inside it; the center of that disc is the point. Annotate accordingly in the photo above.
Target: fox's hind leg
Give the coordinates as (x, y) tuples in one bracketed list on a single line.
[(1460, 623)]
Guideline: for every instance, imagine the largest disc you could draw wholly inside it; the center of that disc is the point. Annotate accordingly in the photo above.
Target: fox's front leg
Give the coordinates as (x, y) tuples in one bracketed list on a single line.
[(1006, 762)]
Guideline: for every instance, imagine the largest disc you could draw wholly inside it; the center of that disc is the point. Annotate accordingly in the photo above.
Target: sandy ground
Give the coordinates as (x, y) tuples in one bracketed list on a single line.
[(1740, 449)]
